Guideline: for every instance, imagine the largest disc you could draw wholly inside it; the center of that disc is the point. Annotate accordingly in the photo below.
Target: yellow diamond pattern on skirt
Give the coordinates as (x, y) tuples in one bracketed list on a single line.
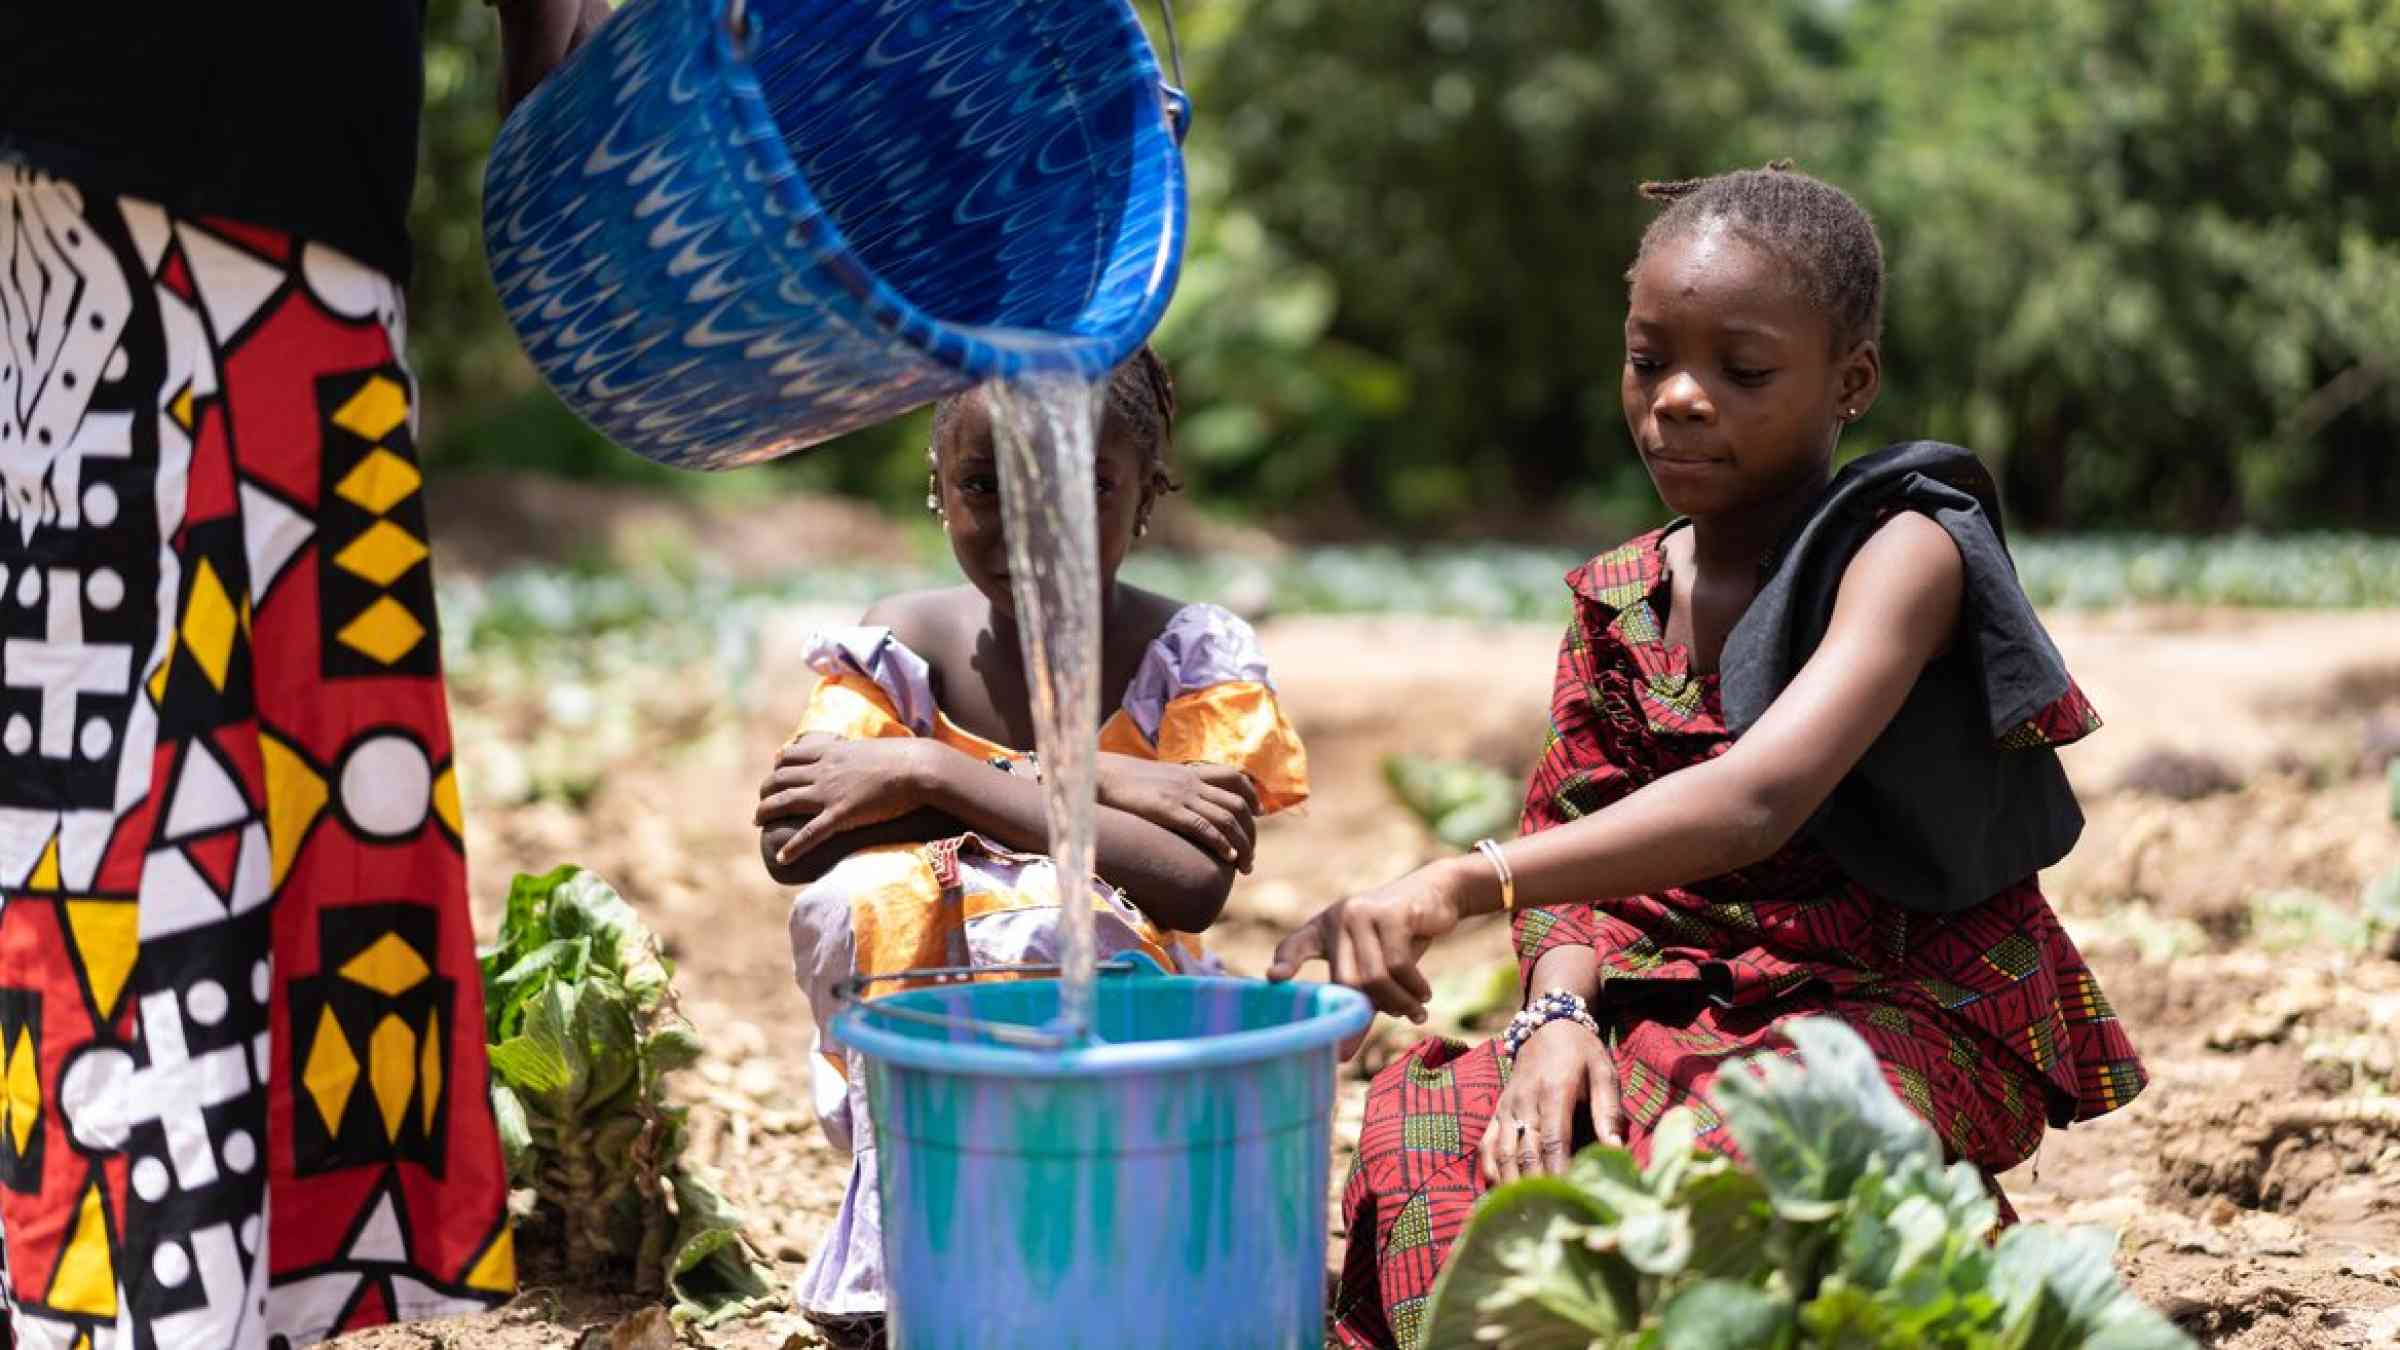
[(390, 967), (386, 631), (22, 1107), (380, 482), (392, 1070), (381, 554), (209, 624), (379, 405), (429, 1067), (331, 1071)]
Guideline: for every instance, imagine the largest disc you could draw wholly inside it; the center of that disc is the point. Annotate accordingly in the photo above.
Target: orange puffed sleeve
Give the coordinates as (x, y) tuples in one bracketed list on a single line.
[(1238, 723), (850, 706)]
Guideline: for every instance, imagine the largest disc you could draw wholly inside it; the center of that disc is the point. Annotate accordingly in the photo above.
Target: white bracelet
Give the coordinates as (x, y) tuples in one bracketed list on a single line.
[(1508, 878)]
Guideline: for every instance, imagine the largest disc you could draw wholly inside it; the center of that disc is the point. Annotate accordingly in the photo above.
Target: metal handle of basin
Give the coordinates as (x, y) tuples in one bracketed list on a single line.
[(1179, 103), (849, 993)]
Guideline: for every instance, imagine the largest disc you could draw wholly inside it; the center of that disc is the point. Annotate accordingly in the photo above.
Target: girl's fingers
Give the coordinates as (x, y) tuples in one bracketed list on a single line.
[(1240, 819), (799, 801), (821, 827), (785, 780), (1231, 827), (807, 750), (1226, 778), (1299, 947), (1371, 953), (1343, 959), (1396, 944), (1207, 832)]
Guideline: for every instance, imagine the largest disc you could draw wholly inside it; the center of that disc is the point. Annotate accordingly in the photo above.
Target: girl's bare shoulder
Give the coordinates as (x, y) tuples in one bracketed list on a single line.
[(924, 618)]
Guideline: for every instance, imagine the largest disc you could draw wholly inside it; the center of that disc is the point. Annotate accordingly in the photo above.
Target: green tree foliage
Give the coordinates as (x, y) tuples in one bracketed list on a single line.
[(2148, 250), (2143, 251), (1466, 173)]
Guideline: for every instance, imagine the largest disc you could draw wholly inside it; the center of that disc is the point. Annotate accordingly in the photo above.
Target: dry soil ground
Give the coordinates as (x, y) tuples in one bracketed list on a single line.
[(2246, 1208)]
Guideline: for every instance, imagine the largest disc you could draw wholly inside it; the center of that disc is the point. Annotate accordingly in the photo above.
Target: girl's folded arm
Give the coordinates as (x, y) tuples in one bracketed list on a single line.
[(830, 797), (1175, 881), (917, 827), (1897, 607)]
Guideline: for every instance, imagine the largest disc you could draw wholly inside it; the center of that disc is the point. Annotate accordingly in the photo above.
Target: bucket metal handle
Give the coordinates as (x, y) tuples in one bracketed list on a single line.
[(1179, 103), (849, 993)]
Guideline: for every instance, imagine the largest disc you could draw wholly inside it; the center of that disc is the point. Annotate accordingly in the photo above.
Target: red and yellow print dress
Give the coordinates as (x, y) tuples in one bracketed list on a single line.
[(1987, 1022)]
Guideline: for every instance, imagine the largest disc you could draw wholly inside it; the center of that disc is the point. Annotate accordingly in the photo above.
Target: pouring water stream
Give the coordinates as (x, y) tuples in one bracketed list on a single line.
[(1044, 428)]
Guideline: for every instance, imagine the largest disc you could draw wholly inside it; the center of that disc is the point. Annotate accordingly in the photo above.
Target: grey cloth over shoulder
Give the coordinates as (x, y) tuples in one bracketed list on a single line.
[(1937, 816)]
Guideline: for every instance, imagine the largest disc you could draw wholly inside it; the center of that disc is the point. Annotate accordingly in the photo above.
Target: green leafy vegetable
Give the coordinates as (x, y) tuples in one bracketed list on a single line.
[(1460, 801), (582, 1032), (1846, 1231)]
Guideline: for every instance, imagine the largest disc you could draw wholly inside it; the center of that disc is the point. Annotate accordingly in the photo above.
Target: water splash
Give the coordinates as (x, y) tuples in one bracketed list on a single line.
[(1044, 427)]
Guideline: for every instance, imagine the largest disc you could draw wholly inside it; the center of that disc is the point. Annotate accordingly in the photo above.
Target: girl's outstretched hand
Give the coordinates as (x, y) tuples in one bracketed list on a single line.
[(832, 785), (1372, 942), (1560, 1067)]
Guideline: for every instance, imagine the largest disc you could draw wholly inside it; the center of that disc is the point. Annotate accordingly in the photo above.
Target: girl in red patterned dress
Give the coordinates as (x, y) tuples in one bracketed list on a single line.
[(1802, 762)]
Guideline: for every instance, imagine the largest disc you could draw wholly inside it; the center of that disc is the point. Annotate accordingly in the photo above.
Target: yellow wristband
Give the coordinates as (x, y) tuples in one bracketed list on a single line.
[(1508, 879)]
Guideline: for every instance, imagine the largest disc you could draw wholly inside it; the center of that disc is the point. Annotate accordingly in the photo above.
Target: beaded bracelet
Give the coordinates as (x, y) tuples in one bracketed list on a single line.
[(1556, 1006)]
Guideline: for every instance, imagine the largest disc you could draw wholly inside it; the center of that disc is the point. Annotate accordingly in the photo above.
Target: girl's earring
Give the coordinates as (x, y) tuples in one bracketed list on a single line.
[(1141, 527), (1849, 414), (933, 496)]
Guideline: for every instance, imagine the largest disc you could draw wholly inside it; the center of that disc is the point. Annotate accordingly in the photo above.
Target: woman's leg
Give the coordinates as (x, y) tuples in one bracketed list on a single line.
[(1416, 1179), (1984, 1108)]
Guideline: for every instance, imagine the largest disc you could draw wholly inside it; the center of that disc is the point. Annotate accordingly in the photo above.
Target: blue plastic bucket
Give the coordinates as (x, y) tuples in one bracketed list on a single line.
[(726, 231), (1163, 1187)]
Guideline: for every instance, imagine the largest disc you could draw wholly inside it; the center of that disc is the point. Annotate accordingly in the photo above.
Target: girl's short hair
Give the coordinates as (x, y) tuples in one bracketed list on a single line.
[(1817, 229), (1142, 393)]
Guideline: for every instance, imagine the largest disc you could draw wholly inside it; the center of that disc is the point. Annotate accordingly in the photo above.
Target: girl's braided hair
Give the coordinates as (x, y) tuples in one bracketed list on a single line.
[(1816, 228), (1141, 392)]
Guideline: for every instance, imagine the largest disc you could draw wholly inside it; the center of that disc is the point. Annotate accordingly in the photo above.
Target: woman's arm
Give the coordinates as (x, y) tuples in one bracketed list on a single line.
[(903, 787), (1899, 600), (1898, 603)]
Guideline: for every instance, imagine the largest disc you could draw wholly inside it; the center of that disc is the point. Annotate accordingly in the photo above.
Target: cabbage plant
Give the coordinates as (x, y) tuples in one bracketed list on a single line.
[(1845, 1229), (582, 1033)]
